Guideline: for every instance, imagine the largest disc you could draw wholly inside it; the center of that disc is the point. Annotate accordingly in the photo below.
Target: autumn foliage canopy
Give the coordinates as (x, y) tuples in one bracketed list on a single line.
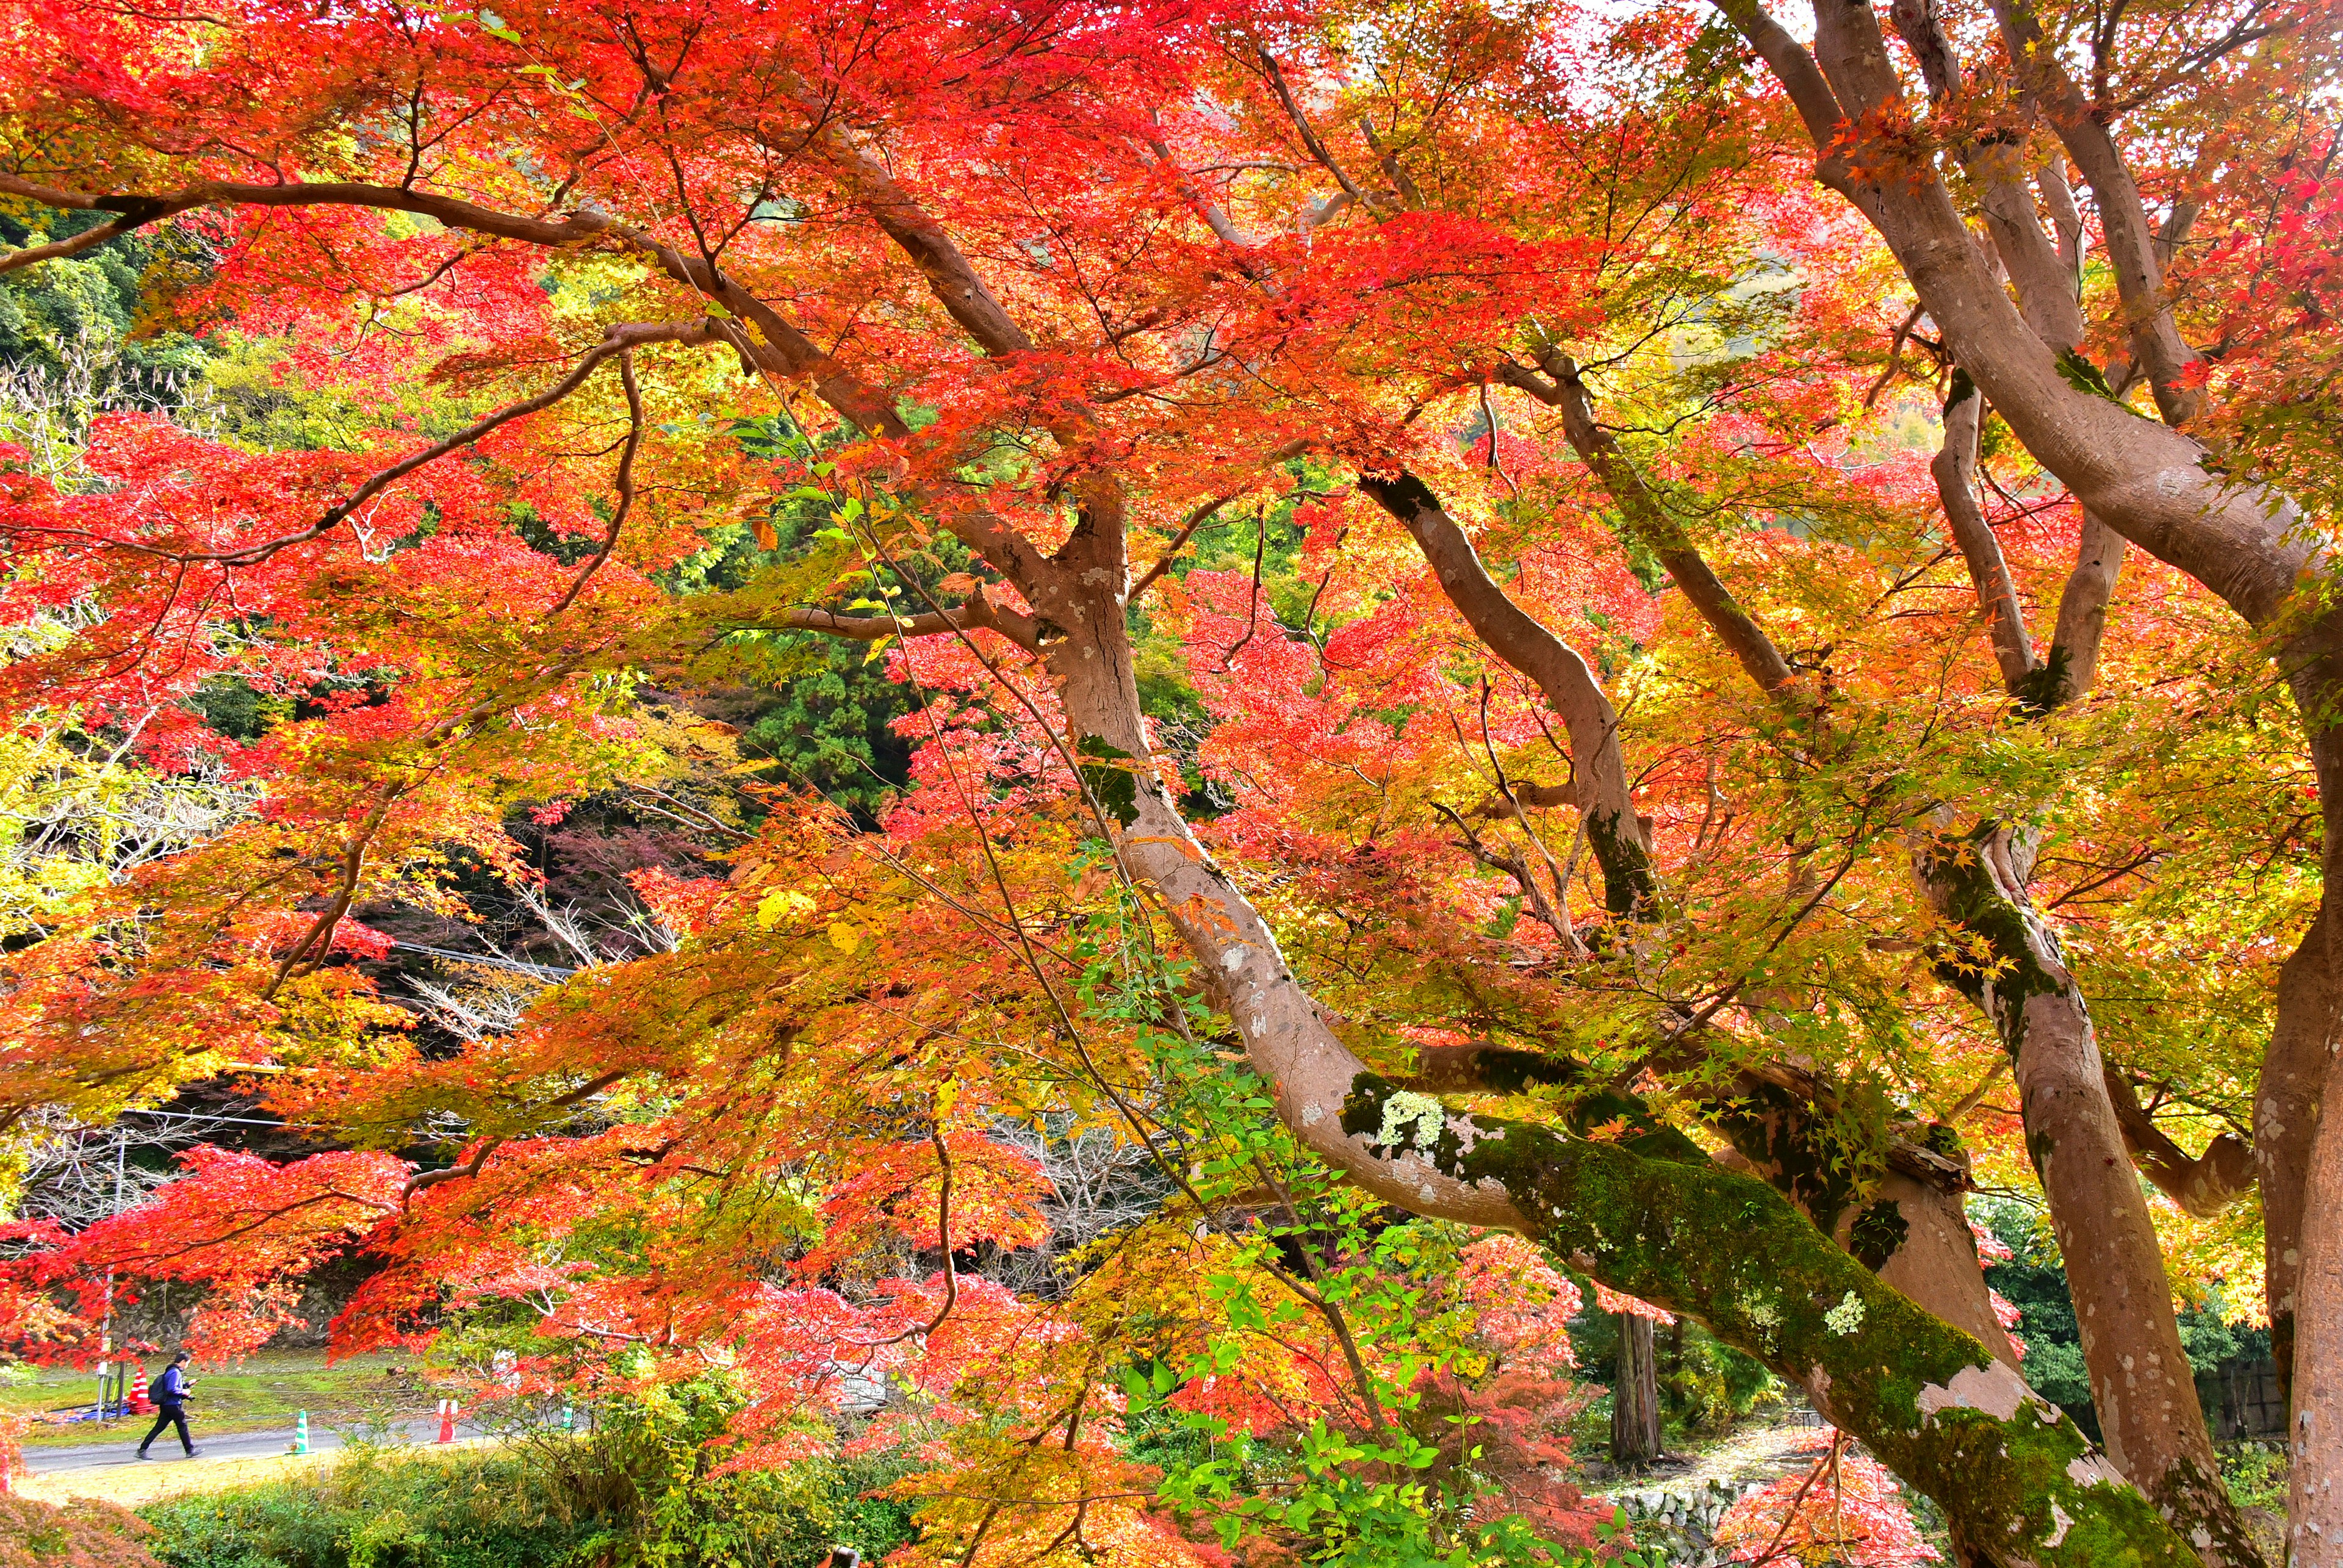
[(1508, 671)]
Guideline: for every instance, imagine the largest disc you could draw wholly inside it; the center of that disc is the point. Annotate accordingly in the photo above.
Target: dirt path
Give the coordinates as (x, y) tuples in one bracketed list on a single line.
[(1759, 1453), (1674, 1508)]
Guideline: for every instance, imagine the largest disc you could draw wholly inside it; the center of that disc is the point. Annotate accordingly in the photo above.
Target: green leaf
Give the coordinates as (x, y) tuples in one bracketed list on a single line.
[(2084, 376)]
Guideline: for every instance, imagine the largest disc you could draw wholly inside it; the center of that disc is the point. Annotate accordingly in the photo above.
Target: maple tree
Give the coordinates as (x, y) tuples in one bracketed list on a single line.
[(1470, 644)]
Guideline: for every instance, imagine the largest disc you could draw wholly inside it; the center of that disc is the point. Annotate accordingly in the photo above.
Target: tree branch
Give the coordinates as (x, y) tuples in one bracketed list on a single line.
[(1954, 467), (978, 610), (2205, 1184), (626, 482), (1276, 80), (1733, 626), (1561, 676)]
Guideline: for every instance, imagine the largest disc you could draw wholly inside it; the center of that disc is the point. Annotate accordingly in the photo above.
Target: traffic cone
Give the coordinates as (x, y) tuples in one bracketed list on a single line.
[(446, 1420), (138, 1404)]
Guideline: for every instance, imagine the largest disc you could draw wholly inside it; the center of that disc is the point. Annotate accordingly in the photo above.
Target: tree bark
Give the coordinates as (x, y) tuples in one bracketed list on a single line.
[(2146, 480), (2156, 342), (1935, 1261), (2141, 1381), (1648, 519), (2295, 1074), (2072, 667), (2315, 1504), (1636, 1393), (2204, 1185), (1955, 470)]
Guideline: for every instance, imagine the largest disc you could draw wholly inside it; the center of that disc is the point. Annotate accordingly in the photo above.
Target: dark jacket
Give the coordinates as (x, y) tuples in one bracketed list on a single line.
[(171, 1388)]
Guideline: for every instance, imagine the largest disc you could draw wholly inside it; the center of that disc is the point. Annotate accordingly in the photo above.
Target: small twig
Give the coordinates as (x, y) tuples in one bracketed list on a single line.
[(1895, 356), (1252, 606), (468, 1169), (943, 1235), (626, 484), (1326, 1306), (1774, 1547), (1200, 514), (1975, 1096)]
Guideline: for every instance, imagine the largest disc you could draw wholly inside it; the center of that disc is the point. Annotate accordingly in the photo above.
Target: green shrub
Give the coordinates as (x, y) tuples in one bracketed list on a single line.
[(376, 1511), (2256, 1474), (655, 1465), (644, 1487), (1709, 1386)]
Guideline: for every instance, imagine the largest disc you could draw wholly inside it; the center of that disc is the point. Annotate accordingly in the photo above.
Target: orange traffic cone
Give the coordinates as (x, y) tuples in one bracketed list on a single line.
[(446, 1420), (138, 1404)]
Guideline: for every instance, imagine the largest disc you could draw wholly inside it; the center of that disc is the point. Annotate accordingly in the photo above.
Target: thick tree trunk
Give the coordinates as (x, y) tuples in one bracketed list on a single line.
[(2141, 1381), (2314, 1510), (1636, 1393), (1935, 1261), (2140, 1378), (2287, 1116), (1912, 1229), (2296, 1079)]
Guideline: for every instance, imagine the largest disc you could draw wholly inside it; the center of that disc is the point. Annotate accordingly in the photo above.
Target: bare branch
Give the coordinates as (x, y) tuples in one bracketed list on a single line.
[(626, 484), (1954, 468)]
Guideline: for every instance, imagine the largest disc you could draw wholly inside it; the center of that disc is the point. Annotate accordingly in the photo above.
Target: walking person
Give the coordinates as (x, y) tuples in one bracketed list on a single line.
[(170, 1396)]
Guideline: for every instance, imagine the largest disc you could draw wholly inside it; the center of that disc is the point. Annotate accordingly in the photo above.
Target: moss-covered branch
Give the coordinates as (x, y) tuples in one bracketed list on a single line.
[(2017, 1478)]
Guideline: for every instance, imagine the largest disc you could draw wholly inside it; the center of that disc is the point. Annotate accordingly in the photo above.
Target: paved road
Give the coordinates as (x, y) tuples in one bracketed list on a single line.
[(124, 1449)]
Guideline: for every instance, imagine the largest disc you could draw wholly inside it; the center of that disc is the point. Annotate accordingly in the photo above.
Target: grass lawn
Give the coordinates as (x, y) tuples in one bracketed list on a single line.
[(131, 1485), (255, 1395)]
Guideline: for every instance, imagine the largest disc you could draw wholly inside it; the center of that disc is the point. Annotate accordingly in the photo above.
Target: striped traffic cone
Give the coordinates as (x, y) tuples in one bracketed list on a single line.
[(446, 1420), (138, 1404)]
